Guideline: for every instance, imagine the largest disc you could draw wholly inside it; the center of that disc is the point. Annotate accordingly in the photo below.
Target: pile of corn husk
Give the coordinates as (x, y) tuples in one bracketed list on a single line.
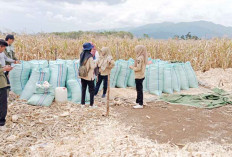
[(216, 78), (69, 130)]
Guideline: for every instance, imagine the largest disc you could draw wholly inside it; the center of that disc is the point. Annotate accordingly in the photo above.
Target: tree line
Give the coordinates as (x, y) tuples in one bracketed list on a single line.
[(188, 36)]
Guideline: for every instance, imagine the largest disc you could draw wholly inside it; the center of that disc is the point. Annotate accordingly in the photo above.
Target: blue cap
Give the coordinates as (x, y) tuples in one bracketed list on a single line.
[(87, 46)]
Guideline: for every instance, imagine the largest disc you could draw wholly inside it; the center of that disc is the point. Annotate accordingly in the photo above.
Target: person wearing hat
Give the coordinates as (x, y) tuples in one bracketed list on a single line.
[(3, 83), (86, 60), (9, 51)]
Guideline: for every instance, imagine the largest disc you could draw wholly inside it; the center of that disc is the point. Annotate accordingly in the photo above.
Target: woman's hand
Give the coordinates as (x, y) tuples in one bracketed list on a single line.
[(109, 58), (131, 67), (7, 68), (17, 62)]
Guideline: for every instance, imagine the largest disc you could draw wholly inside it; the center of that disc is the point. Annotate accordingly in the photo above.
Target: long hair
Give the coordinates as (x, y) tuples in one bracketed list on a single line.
[(85, 55)]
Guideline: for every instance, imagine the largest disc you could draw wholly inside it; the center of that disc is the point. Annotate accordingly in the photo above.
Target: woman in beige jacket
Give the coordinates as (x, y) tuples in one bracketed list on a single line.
[(86, 59), (139, 69), (105, 64)]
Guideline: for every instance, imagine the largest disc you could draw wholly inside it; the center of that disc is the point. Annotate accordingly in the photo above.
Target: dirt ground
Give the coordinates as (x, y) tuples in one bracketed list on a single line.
[(178, 124)]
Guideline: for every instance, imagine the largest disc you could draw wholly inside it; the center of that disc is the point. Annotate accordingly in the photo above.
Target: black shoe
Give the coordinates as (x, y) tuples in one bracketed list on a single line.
[(103, 95), (2, 124)]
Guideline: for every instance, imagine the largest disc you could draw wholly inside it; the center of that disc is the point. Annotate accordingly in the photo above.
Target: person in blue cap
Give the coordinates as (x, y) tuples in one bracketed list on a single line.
[(86, 61)]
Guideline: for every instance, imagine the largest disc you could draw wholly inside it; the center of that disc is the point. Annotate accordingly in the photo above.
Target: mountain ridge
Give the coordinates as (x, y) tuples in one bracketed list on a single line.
[(166, 30)]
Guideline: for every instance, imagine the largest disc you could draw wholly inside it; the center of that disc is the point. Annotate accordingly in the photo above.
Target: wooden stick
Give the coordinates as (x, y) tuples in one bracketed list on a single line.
[(55, 54), (108, 97), (117, 54)]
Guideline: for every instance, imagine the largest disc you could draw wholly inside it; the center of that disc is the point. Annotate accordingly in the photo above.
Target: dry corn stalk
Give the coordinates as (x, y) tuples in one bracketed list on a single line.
[(203, 54)]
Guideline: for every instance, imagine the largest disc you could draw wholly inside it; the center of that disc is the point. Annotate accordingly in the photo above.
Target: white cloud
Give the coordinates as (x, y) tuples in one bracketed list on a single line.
[(29, 16), (61, 15)]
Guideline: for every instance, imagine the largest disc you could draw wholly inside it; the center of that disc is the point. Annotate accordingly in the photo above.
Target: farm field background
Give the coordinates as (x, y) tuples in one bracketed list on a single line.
[(203, 54)]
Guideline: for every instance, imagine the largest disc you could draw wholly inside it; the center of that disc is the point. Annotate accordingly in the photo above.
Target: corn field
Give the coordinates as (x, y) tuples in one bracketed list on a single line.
[(203, 54)]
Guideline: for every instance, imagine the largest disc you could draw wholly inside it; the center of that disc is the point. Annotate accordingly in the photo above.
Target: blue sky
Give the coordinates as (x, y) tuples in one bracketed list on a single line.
[(34, 16)]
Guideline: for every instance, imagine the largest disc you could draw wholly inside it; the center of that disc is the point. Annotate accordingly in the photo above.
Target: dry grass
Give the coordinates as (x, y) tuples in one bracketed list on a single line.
[(203, 54)]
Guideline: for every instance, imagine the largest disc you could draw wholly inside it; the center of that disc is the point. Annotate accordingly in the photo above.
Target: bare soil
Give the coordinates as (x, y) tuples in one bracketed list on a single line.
[(179, 124)]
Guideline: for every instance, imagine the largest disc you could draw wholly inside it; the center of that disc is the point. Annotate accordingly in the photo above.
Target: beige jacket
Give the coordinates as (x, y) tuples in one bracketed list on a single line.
[(90, 65), (107, 71), (3, 82), (140, 68)]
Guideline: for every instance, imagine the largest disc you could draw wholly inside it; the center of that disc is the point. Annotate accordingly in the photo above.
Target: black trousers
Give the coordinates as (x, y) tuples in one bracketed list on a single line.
[(90, 84), (139, 89), (3, 106), (105, 81), (7, 79)]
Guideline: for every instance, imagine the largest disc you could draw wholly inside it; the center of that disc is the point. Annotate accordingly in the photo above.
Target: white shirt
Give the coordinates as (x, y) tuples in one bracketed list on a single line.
[(4, 58), (96, 58)]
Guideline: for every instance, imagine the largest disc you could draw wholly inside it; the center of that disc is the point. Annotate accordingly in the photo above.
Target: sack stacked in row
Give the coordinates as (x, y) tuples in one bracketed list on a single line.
[(26, 75), (161, 76), (167, 78), (59, 73)]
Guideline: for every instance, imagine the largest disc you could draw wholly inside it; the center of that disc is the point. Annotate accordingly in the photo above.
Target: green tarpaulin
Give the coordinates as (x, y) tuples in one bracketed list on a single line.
[(215, 99)]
